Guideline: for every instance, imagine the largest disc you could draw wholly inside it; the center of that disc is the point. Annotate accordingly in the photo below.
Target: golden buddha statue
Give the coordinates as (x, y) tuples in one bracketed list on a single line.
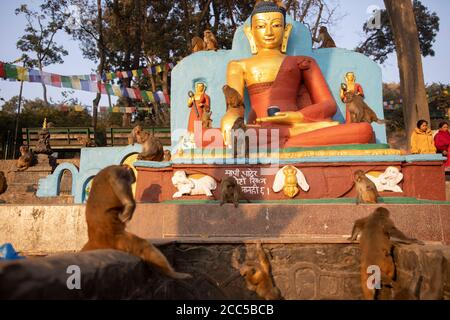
[(293, 84)]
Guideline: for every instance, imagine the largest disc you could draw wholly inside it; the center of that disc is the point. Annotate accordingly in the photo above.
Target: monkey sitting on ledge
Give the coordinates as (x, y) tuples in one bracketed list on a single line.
[(366, 190), (152, 148), (25, 160), (376, 248), (325, 38), (109, 207)]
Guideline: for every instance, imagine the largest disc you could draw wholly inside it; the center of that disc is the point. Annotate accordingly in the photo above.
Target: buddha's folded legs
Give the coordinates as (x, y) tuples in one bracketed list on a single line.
[(352, 133)]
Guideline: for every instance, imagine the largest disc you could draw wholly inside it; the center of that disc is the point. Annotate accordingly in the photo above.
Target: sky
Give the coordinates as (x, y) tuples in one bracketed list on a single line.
[(347, 34)]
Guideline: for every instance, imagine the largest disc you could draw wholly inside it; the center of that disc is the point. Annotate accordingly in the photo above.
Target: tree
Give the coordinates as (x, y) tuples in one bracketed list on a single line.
[(412, 84), (40, 32), (380, 42)]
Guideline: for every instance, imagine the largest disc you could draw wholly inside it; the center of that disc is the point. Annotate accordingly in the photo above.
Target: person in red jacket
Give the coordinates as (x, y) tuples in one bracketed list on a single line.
[(442, 141)]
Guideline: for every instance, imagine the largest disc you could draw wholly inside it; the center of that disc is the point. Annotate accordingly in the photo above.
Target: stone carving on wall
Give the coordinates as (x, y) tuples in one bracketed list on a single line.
[(288, 179), (388, 180), (193, 185)]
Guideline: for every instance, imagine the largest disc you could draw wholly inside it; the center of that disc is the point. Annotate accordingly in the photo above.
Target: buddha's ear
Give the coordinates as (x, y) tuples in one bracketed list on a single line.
[(287, 34), (251, 40)]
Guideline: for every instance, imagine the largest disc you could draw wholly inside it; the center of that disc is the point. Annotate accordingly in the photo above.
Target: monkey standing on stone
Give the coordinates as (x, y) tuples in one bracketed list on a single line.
[(206, 118), (210, 41), (197, 44), (325, 38), (366, 191), (376, 247), (359, 110), (257, 275), (230, 192), (25, 160), (110, 205), (152, 148)]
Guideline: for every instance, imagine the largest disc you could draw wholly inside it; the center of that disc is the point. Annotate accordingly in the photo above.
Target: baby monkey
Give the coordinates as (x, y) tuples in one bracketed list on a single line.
[(230, 192)]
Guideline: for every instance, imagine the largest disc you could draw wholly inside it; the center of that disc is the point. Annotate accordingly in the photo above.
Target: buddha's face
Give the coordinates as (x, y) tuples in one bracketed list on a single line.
[(268, 30)]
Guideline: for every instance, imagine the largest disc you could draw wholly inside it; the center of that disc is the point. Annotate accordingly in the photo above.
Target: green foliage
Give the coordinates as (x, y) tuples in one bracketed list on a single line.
[(38, 39), (380, 43)]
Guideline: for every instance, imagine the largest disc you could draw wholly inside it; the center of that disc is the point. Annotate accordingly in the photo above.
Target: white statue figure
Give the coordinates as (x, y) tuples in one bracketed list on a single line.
[(192, 186), (388, 181), (288, 179)]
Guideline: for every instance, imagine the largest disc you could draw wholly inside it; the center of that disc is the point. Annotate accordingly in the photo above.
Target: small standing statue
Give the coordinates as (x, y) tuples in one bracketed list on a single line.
[(43, 144), (197, 102)]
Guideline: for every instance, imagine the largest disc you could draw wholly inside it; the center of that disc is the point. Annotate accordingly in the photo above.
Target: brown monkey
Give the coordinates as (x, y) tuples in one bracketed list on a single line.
[(359, 110), (365, 189), (3, 183), (239, 128), (206, 118), (86, 141), (325, 38), (232, 97), (167, 155), (197, 44), (152, 148), (376, 247), (25, 160), (106, 217), (210, 40), (257, 275), (230, 192)]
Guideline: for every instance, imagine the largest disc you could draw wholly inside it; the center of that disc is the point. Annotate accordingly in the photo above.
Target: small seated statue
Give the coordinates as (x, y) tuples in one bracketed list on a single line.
[(293, 84)]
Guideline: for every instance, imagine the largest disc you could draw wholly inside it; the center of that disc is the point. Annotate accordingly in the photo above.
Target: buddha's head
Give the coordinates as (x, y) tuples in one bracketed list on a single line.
[(268, 27)]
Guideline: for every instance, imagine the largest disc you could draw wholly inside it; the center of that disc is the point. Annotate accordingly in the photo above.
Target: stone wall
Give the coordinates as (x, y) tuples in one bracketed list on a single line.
[(300, 271)]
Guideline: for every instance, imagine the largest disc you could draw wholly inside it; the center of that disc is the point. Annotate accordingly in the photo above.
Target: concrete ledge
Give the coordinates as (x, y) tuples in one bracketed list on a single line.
[(55, 229), (300, 271)]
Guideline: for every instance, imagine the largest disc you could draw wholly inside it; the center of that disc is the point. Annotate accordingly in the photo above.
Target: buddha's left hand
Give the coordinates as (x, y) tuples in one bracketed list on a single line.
[(289, 117)]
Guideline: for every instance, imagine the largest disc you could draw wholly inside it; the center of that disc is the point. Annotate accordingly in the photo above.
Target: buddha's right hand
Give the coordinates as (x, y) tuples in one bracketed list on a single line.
[(290, 117)]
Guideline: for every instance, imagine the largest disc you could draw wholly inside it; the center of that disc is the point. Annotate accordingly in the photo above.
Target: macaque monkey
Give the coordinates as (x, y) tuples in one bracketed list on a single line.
[(365, 189), (376, 247), (3, 183), (359, 110), (325, 38), (152, 148), (86, 141), (167, 155), (206, 118), (230, 192), (110, 205), (197, 44), (232, 97), (239, 129), (25, 160), (210, 40), (257, 275)]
